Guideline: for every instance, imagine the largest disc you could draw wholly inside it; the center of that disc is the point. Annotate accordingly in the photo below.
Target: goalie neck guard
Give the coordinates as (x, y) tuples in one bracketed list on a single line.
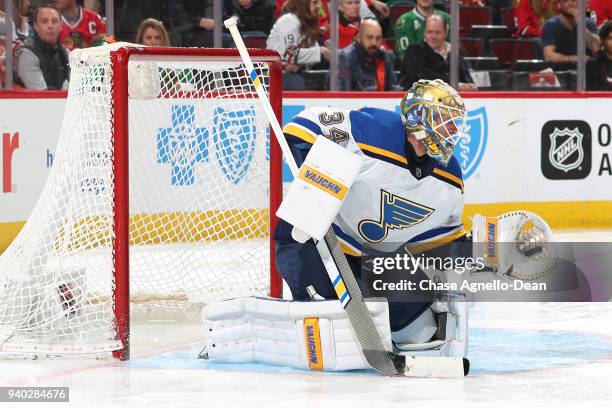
[(435, 114)]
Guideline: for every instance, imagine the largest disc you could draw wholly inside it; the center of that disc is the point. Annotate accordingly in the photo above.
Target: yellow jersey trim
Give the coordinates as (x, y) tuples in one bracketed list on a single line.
[(449, 176), (299, 132), (383, 152)]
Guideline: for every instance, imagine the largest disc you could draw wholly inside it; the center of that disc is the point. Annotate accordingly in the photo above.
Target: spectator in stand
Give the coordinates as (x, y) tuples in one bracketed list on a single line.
[(351, 12), (254, 15), (195, 20), (22, 26), (600, 11), (323, 12), (530, 16), (152, 33), (294, 36), (599, 70), (349, 20), (560, 36), (410, 27), (364, 8), (429, 59), (81, 28), (364, 65), (41, 63)]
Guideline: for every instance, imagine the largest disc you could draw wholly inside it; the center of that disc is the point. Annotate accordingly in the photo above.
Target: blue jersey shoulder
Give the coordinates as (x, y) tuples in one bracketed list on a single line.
[(379, 128)]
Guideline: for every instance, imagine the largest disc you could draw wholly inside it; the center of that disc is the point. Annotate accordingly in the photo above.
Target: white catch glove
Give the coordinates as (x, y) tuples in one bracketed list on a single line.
[(518, 244)]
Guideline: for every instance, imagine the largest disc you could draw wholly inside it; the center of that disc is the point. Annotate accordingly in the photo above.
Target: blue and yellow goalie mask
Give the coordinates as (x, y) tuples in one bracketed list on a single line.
[(435, 114)]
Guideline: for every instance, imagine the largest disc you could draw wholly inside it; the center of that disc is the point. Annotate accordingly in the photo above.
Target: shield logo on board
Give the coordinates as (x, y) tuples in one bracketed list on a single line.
[(234, 141), (566, 152), (472, 144), (566, 149)]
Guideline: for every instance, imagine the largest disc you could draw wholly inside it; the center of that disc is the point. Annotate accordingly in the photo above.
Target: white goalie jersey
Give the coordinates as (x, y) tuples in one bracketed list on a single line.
[(397, 197)]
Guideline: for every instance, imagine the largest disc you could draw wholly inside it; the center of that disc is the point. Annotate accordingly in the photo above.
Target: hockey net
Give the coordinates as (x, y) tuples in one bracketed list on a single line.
[(180, 135)]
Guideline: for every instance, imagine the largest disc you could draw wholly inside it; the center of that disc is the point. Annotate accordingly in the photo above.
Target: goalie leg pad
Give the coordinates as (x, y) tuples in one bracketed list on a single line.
[(306, 335)]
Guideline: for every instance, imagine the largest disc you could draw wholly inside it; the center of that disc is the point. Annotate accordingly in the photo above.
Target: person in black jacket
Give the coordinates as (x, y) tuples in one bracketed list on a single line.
[(193, 21), (430, 59), (254, 15), (41, 63), (599, 70)]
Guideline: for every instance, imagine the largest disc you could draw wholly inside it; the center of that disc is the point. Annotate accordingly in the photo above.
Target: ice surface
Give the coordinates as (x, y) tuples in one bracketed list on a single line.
[(522, 354)]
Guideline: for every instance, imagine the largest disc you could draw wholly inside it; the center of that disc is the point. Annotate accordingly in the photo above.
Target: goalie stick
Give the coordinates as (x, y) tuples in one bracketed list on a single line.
[(349, 294)]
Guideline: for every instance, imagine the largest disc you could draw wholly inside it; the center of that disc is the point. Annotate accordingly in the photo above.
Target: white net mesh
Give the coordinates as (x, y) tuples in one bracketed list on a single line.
[(199, 203)]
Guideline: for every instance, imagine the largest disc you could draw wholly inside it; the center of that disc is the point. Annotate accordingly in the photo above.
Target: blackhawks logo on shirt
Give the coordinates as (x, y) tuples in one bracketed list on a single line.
[(75, 40)]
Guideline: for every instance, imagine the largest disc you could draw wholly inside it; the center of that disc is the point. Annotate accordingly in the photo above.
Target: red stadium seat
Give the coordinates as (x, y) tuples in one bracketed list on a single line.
[(256, 41), (398, 10), (472, 47), (508, 51), (473, 15), (507, 17)]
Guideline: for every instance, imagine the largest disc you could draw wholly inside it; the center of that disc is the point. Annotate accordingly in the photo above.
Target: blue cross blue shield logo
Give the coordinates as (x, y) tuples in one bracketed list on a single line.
[(182, 145), (234, 140), (472, 144)]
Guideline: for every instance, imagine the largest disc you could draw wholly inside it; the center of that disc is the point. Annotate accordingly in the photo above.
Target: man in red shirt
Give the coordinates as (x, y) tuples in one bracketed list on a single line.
[(80, 27)]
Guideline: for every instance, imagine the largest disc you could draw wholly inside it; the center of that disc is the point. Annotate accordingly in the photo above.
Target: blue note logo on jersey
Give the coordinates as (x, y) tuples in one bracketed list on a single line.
[(395, 213), (182, 145), (472, 144), (234, 140)]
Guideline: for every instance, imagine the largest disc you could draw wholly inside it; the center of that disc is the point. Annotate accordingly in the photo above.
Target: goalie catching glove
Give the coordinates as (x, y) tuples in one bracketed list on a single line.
[(517, 244)]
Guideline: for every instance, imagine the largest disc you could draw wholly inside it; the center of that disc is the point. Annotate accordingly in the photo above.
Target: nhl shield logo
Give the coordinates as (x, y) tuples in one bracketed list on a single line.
[(234, 141), (472, 144), (566, 151)]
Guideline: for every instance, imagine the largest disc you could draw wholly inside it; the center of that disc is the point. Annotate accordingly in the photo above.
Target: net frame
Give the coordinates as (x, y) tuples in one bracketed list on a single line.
[(120, 164), (115, 122)]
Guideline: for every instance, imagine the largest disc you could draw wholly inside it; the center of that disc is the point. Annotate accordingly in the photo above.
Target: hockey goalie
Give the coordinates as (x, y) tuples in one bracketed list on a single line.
[(396, 182)]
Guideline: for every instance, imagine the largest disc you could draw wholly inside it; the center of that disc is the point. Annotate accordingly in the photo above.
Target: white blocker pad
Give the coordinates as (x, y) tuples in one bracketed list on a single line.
[(317, 193), (307, 335)]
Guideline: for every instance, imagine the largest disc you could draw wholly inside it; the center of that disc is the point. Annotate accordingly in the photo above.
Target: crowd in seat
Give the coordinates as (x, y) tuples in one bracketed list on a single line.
[(383, 44)]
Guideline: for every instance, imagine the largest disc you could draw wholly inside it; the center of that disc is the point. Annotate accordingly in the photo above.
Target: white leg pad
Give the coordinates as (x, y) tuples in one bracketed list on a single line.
[(307, 335)]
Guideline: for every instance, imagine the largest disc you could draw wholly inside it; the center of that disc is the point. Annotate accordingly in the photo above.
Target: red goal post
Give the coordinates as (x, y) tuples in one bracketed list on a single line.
[(119, 62)]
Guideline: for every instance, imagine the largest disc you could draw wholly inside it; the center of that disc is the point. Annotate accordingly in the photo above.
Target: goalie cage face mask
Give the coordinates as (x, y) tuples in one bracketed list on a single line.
[(435, 114)]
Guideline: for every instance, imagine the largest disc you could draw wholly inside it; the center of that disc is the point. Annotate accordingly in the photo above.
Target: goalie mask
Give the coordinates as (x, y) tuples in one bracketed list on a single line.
[(435, 114)]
